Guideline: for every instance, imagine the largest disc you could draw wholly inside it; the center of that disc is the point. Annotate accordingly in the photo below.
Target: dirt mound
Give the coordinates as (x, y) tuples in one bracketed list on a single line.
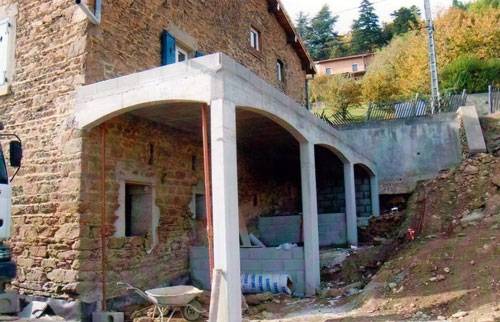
[(491, 130), (452, 270), (440, 205)]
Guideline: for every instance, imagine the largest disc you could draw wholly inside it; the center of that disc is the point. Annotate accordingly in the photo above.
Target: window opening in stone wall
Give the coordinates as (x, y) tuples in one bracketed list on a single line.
[(138, 209), (329, 71), (4, 50), (354, 67), (280, 70), (254, 39), (200, 206)]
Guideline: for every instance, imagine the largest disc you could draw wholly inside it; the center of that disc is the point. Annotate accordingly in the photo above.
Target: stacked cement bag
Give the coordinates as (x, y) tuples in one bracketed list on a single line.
[(266, 282)]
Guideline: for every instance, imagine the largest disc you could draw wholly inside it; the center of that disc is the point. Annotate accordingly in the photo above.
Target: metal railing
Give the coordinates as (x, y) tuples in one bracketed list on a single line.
[(382, 111), (451, 102), (493, 99), (398, 110)]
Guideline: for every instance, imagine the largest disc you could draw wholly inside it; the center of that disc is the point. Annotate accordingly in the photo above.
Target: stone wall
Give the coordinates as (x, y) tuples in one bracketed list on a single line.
[(268, 182), (137, 148), (50, 57), (128, 39), (56, 220), (174, 175)]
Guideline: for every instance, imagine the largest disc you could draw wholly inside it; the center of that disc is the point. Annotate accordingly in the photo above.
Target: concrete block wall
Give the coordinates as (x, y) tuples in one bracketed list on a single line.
[(255, 260), (363, 197), (277, 230), (331, 198), (332, 229)]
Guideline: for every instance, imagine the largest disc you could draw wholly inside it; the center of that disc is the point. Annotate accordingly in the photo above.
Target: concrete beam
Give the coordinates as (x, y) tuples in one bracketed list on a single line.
[(310, 214), (350, 204), (473, 131), (225, 208)]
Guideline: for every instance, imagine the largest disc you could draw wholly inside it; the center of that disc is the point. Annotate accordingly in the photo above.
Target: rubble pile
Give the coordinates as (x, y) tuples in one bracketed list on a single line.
[(491, 130), (458, 197), (382, 228)]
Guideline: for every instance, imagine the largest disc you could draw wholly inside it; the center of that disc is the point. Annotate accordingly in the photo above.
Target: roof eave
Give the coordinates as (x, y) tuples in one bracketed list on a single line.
[(293, 37)]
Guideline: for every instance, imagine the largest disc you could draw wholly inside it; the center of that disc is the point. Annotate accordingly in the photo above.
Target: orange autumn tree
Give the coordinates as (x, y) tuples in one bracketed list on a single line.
[(400, 70)]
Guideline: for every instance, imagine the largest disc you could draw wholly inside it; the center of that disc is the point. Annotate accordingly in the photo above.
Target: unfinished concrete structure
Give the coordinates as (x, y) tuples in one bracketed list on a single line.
[(112, 184), (229, 89)]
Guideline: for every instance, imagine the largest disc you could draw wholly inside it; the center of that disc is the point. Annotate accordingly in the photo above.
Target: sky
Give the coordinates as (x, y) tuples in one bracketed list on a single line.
[(347, 10)]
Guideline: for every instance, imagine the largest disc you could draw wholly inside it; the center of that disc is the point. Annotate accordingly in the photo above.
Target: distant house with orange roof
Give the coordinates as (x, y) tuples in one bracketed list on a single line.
[(354, 65)]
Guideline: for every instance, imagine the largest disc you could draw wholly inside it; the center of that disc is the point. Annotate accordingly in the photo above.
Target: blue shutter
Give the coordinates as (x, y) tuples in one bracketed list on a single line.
[(199, 54), (167, 49)]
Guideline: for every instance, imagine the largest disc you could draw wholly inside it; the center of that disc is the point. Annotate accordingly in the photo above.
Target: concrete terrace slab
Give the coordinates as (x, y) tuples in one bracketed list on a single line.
[(203, 80)]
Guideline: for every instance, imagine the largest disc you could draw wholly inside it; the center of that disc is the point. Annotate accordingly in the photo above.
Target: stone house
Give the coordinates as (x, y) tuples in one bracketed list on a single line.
[(112, 186)]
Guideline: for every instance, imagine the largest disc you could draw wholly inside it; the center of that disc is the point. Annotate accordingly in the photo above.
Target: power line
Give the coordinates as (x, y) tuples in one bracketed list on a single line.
[(357, 8)]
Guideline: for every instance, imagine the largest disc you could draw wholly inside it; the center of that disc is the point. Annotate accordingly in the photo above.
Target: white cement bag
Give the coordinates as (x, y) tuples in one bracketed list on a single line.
[(266, 282)]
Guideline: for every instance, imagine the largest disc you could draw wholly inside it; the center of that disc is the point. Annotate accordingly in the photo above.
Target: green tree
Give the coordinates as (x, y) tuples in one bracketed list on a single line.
[(366, 32), (459, 4), (302, 23), (480, 5), (405, 19), (477, 5), (322, 39)]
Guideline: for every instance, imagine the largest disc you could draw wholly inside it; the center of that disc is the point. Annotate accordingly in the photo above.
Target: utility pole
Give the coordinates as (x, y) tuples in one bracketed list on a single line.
[(432, 58)]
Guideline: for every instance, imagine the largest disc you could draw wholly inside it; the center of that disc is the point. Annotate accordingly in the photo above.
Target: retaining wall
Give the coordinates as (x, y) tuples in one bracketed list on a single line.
[(408, 150)]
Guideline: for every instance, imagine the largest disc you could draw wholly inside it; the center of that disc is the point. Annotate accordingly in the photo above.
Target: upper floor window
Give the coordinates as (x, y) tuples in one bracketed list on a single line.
[(329, 71), (354, 67), (4, 50), (180, 54), (177, 46), (6, 54), (280, 70), (254, 38)]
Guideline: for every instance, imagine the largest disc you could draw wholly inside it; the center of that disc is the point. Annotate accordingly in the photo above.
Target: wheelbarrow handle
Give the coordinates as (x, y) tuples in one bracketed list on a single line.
[(140, 292)]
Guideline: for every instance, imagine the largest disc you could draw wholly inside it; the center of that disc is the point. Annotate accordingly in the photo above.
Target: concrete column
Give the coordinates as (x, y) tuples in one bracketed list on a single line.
[(310, 218), (225, 208), (374, 195), (350, 204)]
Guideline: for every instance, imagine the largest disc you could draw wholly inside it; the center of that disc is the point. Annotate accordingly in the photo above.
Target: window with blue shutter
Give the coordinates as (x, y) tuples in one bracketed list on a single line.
[(168, 52)]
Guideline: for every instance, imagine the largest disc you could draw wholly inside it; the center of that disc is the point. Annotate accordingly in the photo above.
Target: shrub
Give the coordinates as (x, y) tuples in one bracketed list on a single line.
[(470, 73)]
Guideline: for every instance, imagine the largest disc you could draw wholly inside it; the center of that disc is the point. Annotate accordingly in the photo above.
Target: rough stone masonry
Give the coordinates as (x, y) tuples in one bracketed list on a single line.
[(56, 205)]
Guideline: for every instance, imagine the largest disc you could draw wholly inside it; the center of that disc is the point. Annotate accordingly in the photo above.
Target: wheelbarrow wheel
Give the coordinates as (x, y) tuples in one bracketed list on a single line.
[(192, 311)]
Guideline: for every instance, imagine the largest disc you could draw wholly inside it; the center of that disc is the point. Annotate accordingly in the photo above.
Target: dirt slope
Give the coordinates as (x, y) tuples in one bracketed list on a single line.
[(454, 266), (451, 271)]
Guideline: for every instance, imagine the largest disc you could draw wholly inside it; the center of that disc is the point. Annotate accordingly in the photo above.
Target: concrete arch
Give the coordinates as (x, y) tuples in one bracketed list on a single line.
[(367, 168), (335, 151), (91, 120), (279, 120)]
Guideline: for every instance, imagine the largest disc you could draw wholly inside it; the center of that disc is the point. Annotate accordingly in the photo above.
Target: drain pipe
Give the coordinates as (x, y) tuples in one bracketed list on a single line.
[(104, 220), (95, 18)]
